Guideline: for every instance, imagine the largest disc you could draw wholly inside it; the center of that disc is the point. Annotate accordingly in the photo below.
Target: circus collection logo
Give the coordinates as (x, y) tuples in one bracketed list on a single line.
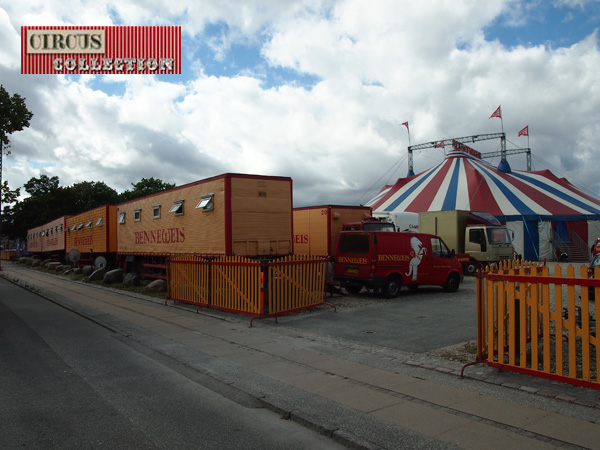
[(101, 50)]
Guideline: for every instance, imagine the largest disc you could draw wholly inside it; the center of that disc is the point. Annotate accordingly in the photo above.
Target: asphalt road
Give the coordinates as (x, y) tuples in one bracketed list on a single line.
[(418, 321), (69, 383)]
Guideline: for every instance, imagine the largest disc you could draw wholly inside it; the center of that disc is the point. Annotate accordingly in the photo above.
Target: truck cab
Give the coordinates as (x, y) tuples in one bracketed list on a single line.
[(488, 243), (370, 224), (477, 237)]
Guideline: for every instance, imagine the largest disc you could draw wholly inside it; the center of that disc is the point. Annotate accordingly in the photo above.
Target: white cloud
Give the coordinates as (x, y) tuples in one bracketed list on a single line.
[(378, 64)]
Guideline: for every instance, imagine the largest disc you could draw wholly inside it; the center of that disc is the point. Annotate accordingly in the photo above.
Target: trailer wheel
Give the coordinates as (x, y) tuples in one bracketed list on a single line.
[(353, 288), (470, 268), (392, 286), (452, 283)]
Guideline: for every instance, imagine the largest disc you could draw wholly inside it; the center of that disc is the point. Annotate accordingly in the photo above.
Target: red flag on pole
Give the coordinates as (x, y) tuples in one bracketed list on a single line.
[(406, 125), (439, 145), (497, 113), (524, 131)]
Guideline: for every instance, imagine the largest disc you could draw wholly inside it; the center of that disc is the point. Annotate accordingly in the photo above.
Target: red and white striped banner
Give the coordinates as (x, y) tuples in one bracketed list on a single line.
[(101, 50)]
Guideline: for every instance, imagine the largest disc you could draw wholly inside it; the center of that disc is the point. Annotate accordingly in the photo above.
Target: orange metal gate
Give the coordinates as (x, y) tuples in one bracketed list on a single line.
[(531, 322), (296, 283), (247, 286)]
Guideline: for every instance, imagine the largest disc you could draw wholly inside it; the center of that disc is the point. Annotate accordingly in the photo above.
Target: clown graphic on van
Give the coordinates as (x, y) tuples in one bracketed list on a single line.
[(417, 251)]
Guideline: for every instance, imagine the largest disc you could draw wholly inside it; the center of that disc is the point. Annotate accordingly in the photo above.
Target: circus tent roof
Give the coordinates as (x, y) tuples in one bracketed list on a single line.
[(463, 181)]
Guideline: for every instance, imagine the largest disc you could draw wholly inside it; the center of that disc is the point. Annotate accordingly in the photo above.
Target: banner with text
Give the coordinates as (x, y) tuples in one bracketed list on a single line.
[(101, 50)]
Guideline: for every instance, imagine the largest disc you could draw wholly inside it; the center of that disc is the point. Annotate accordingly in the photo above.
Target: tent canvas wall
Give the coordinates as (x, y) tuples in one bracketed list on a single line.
[(531, 203)]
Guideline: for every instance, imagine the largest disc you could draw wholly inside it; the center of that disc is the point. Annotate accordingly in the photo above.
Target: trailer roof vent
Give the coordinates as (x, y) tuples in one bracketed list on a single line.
[(99, 222), (121, 217), (177, 207), (206, 202)]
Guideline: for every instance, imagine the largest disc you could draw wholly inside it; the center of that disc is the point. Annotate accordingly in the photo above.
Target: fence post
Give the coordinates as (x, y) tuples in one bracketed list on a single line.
[(479, 300), (262, 290)]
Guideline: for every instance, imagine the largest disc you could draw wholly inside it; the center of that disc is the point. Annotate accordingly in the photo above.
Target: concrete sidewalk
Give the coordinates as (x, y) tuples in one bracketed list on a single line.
[(361, 395)]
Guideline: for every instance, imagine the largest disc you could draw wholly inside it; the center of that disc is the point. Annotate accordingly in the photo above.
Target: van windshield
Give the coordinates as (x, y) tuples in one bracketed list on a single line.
[(354, 243)]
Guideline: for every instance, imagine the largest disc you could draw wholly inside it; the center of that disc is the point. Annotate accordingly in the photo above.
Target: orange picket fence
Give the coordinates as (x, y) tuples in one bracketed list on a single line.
[(248, 286), (531, 322)]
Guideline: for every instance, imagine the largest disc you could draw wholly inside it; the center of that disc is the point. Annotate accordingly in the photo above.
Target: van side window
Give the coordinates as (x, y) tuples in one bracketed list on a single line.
[(439, 248), (356, 243)]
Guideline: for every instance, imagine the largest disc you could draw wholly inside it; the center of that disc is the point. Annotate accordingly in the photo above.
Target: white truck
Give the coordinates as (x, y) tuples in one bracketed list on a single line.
[(404, 221), (477, 238)]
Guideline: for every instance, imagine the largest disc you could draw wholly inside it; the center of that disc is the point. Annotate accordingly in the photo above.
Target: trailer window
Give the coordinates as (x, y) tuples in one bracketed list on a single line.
[(99, 222), (156, 212), (122, 217), (355, 243), (137, 215), (81, 225), (177, 207), (90, 224), (206, 202)]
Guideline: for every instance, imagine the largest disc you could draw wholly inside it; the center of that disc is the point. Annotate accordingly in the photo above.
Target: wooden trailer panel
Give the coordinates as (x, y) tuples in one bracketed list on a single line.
[(169, 222), (53, 236), (93, 231), (229, 214), (316, 228), (34, 240), (261, 216)]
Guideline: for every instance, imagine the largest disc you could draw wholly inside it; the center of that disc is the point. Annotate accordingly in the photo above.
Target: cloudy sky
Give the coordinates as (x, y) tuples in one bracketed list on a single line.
[(315, 90)]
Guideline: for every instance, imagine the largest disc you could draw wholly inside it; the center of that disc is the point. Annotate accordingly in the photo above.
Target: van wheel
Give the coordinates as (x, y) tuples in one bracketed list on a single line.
[(353, 288), (452, 283), (391, 288)]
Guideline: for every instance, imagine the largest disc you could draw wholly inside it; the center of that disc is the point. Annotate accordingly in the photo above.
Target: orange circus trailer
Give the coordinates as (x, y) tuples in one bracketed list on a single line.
[(92, 236), (48, 241), (230, 214), (316, 227), (53, 241), (34, 240)]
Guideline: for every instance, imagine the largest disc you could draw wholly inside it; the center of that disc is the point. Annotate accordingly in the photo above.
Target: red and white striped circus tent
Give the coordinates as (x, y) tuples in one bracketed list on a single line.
[(537, 206)]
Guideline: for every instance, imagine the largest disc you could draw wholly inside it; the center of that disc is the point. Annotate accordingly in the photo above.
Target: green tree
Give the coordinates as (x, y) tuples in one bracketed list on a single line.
[(145, 186), (44, 185), (8, 196), (14, 116), (89, 195), (42, 205)]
